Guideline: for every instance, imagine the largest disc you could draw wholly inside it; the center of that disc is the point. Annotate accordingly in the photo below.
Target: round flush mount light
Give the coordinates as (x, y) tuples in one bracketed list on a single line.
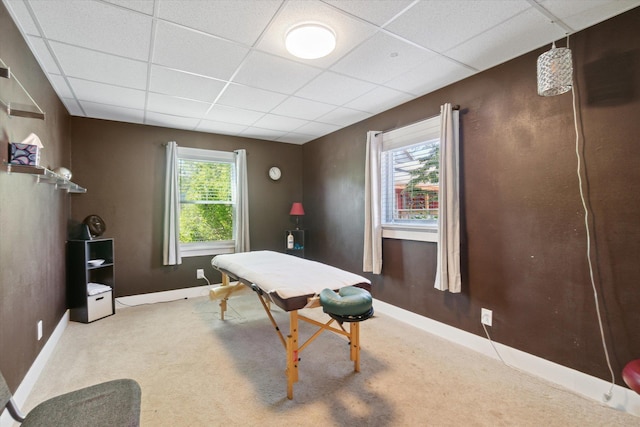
[(310, 40)]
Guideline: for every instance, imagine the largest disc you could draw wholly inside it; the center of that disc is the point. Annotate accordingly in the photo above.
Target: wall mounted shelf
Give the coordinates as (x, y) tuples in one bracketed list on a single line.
[(15, 109), (44, 175)]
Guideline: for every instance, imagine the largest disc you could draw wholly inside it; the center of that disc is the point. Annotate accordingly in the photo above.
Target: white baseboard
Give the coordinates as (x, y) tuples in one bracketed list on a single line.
[(623, 399), (25, 387)]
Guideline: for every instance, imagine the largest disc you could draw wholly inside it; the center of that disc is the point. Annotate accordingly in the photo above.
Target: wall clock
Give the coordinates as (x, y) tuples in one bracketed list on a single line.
[(275, 173)]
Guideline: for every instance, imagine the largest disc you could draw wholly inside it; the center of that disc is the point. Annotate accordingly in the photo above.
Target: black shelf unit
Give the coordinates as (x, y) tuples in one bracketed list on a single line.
[(84, 307), (298, 242)]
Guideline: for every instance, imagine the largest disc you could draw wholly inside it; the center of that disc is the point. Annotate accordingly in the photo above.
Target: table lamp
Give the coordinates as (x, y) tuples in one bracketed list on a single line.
[(298, 211)]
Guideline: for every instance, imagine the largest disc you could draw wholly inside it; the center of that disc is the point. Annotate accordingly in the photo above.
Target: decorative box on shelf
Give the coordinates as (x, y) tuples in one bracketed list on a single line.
[(24, 154)]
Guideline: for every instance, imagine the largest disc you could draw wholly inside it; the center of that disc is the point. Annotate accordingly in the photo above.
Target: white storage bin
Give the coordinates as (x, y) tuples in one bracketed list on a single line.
[(99, 306)]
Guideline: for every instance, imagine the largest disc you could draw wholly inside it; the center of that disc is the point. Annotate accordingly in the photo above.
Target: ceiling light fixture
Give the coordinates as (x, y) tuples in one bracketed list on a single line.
[(310, 40)]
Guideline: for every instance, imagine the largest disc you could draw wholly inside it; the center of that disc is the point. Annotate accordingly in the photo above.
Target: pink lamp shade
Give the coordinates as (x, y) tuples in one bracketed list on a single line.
[(296, 209)]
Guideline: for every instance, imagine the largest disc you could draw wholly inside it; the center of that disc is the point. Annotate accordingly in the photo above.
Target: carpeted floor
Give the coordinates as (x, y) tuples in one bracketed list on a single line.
[(196, 370)]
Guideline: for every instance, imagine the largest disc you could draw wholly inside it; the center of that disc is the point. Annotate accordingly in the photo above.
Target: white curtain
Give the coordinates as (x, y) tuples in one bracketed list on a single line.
[(171, 234), (242, 203), (372, 259), (448, 267)]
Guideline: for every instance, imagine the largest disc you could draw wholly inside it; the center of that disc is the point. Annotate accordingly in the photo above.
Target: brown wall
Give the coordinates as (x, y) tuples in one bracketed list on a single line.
[(524, 244), (33, 217), (122, 167)]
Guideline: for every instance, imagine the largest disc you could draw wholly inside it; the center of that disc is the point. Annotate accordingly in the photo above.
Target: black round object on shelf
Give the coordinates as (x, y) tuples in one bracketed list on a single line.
[(95, 224)]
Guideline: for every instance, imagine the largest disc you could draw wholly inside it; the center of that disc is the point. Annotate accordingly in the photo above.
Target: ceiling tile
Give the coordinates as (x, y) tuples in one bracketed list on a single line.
[(192, 65), (170, 121), (280, 123), (429, 23), (342, 89), (379, 99), (144, 6), (380, 58), (258, 133), (378, 12), (112, 112), (272, 72), (95, 25), (107, 94), (302, 108), (581, 14), (60, 86), (344, 116), (186, 85), (317, 129), (101, 67), (527, 31), (250, 98), (166, 104), (43, 55), (196, 52), (221, 113), (239, 20), (294, 138), (220, 127), (349, 31), (19, 11), (73, 107), (441, 71)]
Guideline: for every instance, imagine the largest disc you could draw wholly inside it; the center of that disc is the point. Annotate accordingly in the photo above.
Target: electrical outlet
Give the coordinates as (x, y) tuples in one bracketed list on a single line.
[(486, 316), (200, 273), (39, 330)]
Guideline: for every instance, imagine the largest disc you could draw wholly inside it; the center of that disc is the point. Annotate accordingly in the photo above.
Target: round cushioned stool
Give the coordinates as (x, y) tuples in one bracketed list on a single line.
[(350, 304), (631, 375)]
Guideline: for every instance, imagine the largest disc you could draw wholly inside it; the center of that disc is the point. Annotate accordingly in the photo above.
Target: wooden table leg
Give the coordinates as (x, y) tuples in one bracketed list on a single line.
[(292, 353), (223, 301), (354, 332)]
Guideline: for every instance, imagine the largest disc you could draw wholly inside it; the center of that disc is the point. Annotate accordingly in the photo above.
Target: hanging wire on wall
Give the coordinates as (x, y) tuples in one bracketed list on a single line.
[(555, 71), (555, 77), (607, 396)]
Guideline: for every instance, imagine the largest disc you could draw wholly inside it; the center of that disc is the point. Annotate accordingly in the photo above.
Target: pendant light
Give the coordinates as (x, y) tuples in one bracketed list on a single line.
[(555, 71)]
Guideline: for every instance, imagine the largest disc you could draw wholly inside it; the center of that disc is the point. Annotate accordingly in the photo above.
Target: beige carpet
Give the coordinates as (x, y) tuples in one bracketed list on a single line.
[(196, 370)]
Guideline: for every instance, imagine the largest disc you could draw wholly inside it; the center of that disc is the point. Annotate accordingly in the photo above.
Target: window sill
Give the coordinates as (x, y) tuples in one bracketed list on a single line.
[(405, 232), (203, 249)]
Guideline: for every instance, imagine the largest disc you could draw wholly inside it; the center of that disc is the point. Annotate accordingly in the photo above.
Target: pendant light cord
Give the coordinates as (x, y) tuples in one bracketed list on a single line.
[(607, 395)]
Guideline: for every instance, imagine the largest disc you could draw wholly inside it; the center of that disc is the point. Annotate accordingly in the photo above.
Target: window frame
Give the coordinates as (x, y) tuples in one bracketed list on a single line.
[(422, 131), (214, 247)]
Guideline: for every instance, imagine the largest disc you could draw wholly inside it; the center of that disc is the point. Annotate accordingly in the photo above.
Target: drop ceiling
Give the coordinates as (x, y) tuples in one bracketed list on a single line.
[(220, 66)]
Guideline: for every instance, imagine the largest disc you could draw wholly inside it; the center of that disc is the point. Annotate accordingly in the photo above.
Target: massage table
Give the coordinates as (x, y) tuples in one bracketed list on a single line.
[(291, 283)]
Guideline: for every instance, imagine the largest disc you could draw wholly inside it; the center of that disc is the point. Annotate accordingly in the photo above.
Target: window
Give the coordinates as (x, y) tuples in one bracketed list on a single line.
[(207, 201), (410, 181)]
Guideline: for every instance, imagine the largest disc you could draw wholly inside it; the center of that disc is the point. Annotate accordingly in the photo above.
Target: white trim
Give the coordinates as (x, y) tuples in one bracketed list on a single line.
[(419, 234), (25, 387), (623, 399), (163, 296), (207, 248)]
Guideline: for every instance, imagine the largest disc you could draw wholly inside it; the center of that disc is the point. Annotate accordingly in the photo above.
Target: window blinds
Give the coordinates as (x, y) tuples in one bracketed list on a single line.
[(421, 131)]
